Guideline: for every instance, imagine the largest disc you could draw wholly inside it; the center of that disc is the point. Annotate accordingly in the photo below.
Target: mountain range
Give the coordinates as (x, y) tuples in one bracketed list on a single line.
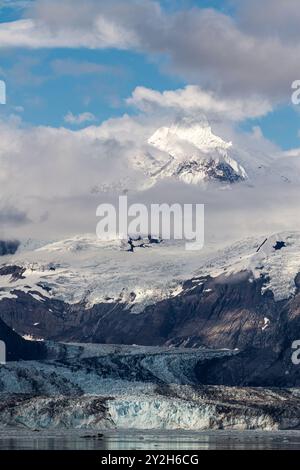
[(245, 297), (143, 333)]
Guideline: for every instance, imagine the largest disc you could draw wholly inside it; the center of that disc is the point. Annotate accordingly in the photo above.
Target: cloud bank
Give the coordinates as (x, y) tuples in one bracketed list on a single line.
[(192, 99), (53, 179), (240, 67), (253, 52)]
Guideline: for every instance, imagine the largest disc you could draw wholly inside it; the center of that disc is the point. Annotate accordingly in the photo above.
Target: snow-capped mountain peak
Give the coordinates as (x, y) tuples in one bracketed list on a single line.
[(189, 151), (187, 132)]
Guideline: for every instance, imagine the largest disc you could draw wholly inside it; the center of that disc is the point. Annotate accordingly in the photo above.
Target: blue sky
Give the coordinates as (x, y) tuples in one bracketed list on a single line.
[(46, 96), (42, 94)]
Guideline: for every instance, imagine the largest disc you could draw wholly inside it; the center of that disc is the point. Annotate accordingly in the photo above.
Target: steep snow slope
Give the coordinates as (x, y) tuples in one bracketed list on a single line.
[(86, 270), (276, 259), (189, 151), (197, 132)]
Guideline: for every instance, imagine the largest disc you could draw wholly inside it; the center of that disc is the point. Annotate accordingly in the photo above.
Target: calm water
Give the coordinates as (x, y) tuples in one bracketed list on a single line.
[(148, 440)]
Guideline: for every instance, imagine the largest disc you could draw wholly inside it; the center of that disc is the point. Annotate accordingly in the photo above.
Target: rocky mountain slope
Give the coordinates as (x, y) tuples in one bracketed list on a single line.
[(245, 297), (17, 348)]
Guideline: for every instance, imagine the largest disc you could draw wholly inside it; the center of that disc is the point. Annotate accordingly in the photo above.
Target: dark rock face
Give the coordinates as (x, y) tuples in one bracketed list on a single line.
[(8, 247), (279, 246), (226, 312), (252, 367), (17, 348), (16, 272), (139, 242), (219, 171)]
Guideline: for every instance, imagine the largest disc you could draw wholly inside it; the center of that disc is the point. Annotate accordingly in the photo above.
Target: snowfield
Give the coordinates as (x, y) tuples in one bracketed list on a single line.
[(86, 270), (275, 258)]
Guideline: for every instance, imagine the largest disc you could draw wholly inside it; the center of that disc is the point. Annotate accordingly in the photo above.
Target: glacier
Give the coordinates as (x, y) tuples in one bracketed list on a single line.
[(83, 386)]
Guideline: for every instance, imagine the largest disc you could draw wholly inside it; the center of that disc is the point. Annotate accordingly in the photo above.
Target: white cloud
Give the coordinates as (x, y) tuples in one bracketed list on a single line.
[(270, 17), (48, 177), (193, 99), (57, 163), (252, 53), (52, 171), (292, 153), (79, 119), (34, 34)]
